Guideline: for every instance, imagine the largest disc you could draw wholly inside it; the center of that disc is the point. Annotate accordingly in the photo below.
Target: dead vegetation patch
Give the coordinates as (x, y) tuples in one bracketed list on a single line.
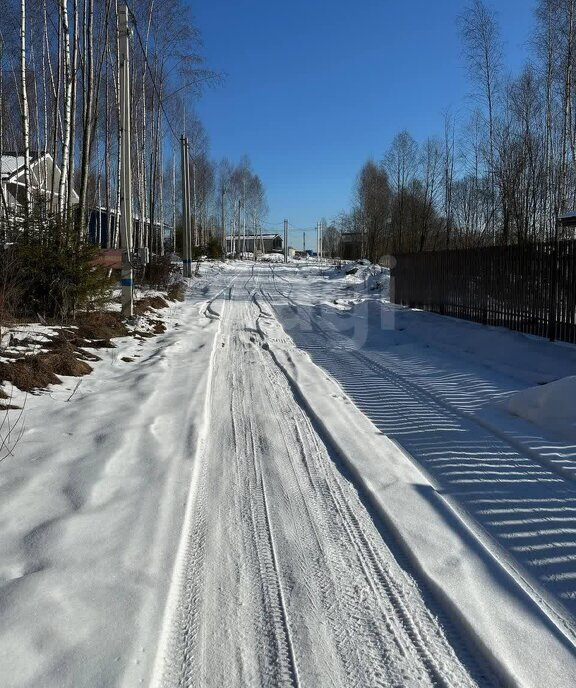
[(65, 352), (100, 325), (37, 371), (143, 305), (68, 341), (176, 291)]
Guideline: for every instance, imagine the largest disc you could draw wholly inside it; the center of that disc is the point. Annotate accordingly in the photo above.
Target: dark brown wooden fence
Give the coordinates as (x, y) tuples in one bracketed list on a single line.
[(530, 288)]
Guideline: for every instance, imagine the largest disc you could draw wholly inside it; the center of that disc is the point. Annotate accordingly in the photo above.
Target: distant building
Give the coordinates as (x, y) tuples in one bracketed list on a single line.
[(272, 243), (44, 182), (351, 245), (102, 227), (568, 224)]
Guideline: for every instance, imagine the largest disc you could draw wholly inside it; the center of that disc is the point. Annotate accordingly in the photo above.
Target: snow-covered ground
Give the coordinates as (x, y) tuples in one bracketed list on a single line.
[(296, 484)]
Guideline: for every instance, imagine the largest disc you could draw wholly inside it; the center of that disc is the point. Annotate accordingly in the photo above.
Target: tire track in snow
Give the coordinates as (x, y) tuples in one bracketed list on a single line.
[(374, 377), (466, 652), (391, 382), (287, 582), (388, 594)]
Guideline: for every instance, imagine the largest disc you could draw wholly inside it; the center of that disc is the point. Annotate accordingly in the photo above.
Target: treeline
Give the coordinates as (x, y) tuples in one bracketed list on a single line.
[(506, 174), (59, 93), (59, 100)]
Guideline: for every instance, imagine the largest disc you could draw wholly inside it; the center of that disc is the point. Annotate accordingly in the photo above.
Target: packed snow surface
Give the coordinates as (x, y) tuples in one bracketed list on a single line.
[(298, 484)]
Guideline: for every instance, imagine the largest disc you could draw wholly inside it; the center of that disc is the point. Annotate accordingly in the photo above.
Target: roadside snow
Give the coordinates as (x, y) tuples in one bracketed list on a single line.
[(524, 645), (91, 506), (418, 407), (551, 407)]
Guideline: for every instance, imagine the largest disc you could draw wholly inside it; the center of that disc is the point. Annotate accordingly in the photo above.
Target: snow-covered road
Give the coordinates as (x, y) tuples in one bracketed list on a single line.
[(285, 580), (296, 485)]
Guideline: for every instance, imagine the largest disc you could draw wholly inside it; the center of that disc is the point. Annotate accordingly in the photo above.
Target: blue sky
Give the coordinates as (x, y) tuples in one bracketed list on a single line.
[(314, 88)]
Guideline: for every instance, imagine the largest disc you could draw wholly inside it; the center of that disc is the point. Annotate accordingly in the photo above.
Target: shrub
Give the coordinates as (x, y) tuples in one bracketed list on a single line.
[(213, 248), (54, 272), (158, 272)]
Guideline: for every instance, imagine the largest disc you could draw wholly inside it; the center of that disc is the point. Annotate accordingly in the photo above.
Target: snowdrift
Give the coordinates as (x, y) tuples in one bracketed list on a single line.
[(551, 406)]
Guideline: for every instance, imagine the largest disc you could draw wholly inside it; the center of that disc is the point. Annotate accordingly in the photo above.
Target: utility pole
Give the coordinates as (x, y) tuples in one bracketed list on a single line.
[(126, 167), (304, 242), (244, 219), (191, 218), (224, 246), (4, 199), (184, 207), (174, 199), (194, 239), (239, 229), (186, 244), (285, 241)]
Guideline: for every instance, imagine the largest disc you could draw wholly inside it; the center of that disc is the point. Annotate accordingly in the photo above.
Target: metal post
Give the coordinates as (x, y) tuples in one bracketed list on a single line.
[(126, 167), (285, 241)]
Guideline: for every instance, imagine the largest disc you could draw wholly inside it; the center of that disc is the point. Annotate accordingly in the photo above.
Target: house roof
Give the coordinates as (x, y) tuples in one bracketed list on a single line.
[(9, 164), (12, 162)]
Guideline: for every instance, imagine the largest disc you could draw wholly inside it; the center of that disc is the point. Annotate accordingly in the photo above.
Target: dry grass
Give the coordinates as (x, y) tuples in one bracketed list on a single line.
[(143, 305), (177, 291), (100, 325), (37, 371), (66, 353)]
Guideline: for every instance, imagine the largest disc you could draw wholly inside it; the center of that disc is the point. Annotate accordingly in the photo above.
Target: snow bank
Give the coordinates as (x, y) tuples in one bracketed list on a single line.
[(551, 406), (91, 510)]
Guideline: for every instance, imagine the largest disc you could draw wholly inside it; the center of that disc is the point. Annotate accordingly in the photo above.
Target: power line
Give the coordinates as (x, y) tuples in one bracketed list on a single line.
[(156, 89)]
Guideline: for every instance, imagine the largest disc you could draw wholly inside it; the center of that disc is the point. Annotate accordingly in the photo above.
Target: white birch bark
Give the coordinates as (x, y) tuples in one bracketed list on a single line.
[(25, 110), (67, 106)]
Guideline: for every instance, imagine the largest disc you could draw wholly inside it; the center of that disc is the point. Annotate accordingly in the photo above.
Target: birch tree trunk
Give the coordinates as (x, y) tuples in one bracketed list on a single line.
[(25, 112), (566, 107), (67, 107), (73, 99)]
